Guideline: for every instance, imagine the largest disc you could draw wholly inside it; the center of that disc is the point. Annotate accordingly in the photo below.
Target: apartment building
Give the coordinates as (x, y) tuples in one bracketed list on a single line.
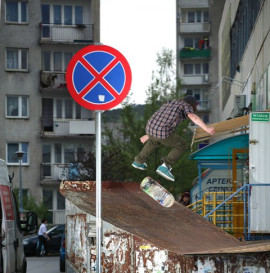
[(244, 58), (197, 52), (37, 115)]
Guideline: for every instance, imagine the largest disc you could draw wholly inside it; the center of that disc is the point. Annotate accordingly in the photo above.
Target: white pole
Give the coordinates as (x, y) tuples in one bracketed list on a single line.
[(98, 191)]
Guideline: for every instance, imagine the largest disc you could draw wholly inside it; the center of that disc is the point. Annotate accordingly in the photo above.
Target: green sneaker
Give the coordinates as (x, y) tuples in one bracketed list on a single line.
[(139, 166), (165, 172)]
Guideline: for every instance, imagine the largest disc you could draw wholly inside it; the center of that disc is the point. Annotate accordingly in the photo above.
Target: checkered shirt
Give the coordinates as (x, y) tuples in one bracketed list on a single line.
[(165, 120)]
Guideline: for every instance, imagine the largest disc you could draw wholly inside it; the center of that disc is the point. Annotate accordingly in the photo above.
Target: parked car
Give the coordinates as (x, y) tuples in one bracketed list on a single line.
[(62, 258), (30, 244)]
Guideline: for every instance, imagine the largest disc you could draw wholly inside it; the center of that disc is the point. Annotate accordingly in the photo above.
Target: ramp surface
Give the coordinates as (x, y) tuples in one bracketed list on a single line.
[(124, 205)]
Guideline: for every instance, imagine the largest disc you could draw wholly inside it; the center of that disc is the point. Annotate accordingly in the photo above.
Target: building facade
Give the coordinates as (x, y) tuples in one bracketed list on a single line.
[(38, 116), (244, 57), (197, 52)]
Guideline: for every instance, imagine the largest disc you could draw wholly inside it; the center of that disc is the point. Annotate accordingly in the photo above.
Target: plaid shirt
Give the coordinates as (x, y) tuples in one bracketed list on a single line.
[(165, 120)]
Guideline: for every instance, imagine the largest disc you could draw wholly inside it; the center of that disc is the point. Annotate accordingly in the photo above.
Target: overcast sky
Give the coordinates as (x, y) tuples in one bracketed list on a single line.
[(139, 30)]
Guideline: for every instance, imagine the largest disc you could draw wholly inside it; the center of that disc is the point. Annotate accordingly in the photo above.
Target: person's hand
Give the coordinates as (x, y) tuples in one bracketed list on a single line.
[(144, 138), (210, 130)]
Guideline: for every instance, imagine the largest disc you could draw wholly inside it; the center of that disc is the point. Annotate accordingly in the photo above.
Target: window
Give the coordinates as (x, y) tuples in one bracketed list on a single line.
[(17, 106), (205, 16), (68, 15), (57, 14), (16, 11), (12, 148), (191, 17), (67, 109), (48, 198), (198, 16), (197, 69), (60, 201), (16, 59), (55, 61), (66, 153), (78, 15), (188, 68)]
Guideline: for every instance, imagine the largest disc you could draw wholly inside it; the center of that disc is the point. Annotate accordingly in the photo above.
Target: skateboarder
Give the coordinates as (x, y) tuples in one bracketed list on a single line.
[(160, 130)]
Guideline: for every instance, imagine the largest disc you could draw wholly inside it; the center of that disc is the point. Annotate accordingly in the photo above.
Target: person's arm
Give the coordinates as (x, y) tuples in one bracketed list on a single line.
[(198, 121), (144, 138)]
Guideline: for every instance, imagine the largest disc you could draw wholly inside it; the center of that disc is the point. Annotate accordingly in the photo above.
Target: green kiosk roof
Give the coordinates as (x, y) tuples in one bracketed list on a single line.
[(221, 150)]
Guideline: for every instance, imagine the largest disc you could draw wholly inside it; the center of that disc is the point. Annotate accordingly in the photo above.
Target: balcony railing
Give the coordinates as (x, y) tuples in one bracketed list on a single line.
[(191, 79), (59, 171), (203, 105), (192, 53), (194, 27), (65, 127), (51, 80), (67, 33)]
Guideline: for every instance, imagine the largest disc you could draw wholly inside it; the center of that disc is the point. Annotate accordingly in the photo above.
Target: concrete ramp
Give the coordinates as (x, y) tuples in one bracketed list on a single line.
[(177, 229)]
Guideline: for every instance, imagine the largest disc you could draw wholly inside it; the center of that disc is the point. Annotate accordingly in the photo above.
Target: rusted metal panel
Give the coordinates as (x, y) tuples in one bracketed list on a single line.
[(76, 238), (125, 206)]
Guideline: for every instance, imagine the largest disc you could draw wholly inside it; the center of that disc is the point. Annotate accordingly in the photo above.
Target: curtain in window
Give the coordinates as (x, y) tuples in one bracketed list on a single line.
[(57, 60), (67, 58), (78, 15), (23, 11), (68, 15), (12, 148), (68, 109), (57, 18), (12, 106), (12, 59), (12, 11)]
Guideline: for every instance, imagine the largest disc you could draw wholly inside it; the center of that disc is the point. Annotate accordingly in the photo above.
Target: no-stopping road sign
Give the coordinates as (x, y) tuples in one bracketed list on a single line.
[(98, 77)]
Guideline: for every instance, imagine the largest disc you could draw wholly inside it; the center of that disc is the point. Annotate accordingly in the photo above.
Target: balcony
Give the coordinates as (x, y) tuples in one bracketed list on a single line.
[(63, 127), (193, 53), (52, 81), (57, 172), (67, 33), (203, 105), (194, 27), (195, 79)]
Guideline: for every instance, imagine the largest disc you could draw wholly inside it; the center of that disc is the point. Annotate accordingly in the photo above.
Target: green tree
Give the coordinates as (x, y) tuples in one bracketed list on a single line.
[(164, 87), (30, 204)]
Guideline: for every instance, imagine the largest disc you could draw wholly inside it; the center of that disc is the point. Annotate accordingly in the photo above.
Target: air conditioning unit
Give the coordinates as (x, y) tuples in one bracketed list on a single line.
[(206, 78), (239, 105)]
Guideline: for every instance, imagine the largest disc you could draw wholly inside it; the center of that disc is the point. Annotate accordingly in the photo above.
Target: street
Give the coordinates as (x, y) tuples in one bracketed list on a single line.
[(43, 264)]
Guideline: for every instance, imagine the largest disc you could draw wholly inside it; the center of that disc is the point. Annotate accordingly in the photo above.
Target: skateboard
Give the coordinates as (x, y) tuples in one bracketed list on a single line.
[(157, 192)]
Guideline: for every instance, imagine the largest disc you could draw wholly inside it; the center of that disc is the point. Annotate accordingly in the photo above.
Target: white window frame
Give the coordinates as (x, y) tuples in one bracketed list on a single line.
[(20, 51), (193, 69), (202, 11), (63, 65), (63, 13), (20, 107), (19, 13), (20, 148), (63, 105)]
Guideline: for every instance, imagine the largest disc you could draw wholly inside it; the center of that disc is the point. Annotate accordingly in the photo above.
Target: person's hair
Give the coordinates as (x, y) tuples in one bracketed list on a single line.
[(44, 220), (185, 194), (192, 101)]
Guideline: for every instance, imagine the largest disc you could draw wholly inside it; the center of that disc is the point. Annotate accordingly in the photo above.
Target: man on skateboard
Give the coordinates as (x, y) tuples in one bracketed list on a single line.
[(160, 130)]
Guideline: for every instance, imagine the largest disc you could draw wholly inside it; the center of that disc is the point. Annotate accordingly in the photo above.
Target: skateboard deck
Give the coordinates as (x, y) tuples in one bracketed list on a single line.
[(157, 192)]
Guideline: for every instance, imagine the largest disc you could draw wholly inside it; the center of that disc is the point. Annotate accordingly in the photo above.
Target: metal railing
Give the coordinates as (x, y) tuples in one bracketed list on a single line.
[(67, 33), (231, 214)]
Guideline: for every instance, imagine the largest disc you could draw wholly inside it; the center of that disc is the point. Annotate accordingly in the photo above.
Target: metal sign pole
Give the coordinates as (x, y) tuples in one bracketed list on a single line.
[(98, 190)]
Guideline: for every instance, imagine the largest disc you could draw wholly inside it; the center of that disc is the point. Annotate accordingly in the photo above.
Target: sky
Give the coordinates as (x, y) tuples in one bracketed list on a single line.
[(139, 29)]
